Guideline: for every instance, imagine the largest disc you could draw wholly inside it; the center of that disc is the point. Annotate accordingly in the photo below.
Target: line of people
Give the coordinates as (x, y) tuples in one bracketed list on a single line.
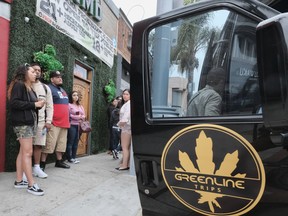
[(41, 118)]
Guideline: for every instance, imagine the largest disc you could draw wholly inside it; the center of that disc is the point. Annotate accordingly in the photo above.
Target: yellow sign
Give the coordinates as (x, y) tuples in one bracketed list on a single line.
[(213, 170)]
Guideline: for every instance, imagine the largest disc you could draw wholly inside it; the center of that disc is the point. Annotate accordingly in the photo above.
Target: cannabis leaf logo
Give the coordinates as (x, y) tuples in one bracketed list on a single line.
[(205, 165)]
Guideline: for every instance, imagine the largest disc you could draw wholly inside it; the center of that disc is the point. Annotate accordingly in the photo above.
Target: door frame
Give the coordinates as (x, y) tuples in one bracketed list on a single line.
[(90, 75)]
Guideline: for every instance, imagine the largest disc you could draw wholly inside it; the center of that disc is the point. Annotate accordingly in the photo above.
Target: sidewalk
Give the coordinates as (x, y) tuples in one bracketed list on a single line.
[(92, 187)]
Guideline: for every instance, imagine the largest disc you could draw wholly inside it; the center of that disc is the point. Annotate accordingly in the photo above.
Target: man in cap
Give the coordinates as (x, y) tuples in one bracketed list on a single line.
[(57, 135), (45, 115)]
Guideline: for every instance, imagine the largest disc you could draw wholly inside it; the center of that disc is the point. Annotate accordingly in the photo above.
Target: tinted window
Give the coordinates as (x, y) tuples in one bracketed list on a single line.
[(204, 65)]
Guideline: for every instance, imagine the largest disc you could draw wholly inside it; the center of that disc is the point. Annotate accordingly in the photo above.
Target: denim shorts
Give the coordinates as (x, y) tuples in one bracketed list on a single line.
[(24, 131)]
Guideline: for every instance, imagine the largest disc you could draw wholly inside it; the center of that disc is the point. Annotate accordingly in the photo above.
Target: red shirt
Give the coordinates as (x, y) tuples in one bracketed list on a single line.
[(61, 107)]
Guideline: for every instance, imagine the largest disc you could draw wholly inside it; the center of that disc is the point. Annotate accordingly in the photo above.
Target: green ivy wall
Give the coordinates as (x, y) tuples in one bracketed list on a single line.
[(27, 38)]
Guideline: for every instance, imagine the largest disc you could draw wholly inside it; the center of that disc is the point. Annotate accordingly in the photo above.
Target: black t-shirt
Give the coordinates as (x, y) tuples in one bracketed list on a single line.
[(114, 117)]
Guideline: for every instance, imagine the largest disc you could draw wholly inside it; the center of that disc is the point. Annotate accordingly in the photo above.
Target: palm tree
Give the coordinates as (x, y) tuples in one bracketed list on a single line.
[(191, 38)]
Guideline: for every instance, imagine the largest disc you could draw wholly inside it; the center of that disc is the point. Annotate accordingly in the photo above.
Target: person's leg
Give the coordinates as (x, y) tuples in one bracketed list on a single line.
[(115, 135), (37, 150), (125, 142), (118, 140), (111, 139), (61, 148), (19, 169), (43, 160), (39, 141), (119, 146), (75, 141), (114, 138), (26, 150), (61, 143), (70, 139), (37, 171), (51, 139), (59, 155)]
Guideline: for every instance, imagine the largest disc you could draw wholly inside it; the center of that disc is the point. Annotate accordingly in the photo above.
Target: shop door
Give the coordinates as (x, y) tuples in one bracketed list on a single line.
[(83, 88)]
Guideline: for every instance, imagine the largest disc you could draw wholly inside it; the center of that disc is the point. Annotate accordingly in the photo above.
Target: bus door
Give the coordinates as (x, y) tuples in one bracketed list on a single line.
[(200, 145)]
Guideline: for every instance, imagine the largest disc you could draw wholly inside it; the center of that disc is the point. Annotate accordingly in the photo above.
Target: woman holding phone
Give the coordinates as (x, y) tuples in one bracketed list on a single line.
[(24, 106), (77, 114)]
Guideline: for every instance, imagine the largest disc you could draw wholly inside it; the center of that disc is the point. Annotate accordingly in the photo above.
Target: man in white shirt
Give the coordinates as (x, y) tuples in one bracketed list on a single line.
[(45, 115)]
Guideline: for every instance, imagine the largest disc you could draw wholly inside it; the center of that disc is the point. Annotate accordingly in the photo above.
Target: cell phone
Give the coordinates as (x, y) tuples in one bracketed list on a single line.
[(77, 113)]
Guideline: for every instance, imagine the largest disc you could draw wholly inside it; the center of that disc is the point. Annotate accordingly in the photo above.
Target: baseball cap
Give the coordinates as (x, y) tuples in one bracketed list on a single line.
[(55, 74)]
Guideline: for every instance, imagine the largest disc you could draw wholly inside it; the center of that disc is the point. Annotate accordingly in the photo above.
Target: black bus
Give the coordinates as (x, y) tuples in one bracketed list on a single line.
[(230, 162)]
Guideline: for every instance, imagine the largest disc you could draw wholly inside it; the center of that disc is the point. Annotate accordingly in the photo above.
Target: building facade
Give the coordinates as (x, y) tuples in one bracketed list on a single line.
[(123, 52), (84, 34)]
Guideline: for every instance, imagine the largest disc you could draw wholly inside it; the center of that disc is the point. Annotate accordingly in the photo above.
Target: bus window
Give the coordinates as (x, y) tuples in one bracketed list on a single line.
[(182, 54)]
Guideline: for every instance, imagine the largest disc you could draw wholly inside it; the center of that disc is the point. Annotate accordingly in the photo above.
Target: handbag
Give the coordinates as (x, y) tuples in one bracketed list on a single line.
[(85, 127)]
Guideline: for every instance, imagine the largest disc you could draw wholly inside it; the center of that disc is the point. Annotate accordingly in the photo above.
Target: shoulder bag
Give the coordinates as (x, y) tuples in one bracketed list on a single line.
[(85, 127)]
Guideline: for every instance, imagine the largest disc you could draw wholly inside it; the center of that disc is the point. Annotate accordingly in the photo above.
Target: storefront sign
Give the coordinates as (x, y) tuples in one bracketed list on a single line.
[(68, 18)]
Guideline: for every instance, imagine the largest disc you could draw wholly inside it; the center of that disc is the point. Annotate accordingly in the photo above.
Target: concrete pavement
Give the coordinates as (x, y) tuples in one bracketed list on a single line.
[(92, 187)]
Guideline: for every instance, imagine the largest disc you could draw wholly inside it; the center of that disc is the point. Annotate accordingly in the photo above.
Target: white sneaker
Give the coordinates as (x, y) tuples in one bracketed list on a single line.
[(75, 161), (38, 172), (71, 160)]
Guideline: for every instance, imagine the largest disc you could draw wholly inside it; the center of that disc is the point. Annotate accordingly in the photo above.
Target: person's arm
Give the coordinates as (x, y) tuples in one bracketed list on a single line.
[(126, 115), (17, 101), (76, 116), (213, 105), (83, 116), (49, 108)]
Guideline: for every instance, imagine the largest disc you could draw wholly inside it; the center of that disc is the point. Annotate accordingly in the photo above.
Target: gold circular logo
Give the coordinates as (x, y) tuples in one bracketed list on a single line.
[(213, 170)]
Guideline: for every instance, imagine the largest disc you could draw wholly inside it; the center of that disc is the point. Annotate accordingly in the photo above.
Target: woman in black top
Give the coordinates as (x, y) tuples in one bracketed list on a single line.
[(24, 107)]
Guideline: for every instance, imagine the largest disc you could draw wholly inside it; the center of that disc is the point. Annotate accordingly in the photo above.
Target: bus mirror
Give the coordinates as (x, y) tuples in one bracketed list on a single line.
[(272, 39)]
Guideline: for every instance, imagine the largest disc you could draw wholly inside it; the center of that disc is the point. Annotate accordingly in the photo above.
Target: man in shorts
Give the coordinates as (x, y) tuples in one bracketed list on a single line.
[(45, 114), (57, 136)]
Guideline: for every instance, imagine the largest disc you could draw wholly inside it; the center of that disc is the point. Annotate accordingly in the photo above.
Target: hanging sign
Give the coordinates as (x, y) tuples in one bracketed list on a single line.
[(68, 18)]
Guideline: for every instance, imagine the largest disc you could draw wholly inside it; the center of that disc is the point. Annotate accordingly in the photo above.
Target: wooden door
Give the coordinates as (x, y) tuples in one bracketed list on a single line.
[(83, 87)]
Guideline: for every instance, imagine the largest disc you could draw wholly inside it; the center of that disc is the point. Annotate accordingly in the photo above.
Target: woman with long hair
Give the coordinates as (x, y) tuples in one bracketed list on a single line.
[(125, 125), (24, 107), (77, 114)]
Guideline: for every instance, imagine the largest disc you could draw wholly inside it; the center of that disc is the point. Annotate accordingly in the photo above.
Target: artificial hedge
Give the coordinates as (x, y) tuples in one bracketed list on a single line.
[(31, 37)]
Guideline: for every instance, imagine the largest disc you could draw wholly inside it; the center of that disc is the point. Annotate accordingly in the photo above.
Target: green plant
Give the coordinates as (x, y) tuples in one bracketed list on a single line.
[(110, 91), (47, 60)]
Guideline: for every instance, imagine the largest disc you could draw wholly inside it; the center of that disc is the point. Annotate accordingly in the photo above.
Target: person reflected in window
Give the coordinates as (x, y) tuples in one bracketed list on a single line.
[(208, 101)]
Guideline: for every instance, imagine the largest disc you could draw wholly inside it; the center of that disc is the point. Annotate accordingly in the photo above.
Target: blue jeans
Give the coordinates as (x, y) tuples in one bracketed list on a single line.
[(72, 142), (116, 133)]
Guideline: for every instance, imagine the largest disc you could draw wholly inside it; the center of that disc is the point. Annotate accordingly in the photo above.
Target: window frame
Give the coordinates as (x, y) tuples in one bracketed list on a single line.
[(252, 118)]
